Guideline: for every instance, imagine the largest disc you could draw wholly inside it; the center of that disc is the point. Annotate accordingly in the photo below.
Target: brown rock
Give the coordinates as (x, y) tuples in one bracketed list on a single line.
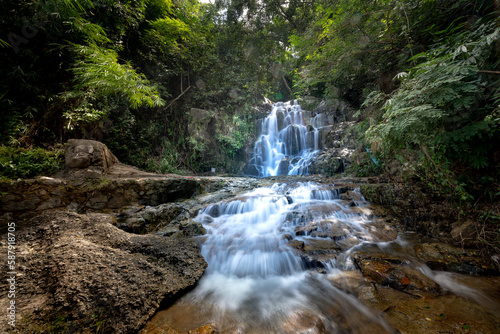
[(82, 268), (395, 274), (207, 329), (82, 153), (296, 244)]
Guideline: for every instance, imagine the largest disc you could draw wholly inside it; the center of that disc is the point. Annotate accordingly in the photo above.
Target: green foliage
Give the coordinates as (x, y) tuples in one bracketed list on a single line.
[(443, 111), (100, 74), (24, 163), (235, 137), (437, 93), (169, 162)]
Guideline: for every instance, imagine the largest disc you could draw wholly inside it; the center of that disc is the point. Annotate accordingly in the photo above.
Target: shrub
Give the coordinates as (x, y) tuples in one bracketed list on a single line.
[(26, 163)]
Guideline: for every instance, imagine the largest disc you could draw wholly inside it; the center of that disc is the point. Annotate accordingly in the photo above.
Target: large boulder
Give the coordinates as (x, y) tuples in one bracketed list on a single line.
[(83, 153), (79, 271)]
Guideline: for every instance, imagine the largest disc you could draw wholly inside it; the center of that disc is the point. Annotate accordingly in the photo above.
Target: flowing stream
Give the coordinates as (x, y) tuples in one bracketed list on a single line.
[(257, 283), (280, 260), (295, 257)]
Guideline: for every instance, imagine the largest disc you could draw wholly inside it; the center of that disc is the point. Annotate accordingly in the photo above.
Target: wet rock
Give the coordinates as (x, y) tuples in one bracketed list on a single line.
[(314, 245), (207, 329), (393, 272), (305, 230), (318, 260), (351, 196), (439, 256), (348, 242), (367, 294), (284, 166), (430, 313), (297, 244), (351, 281), (303, 323)]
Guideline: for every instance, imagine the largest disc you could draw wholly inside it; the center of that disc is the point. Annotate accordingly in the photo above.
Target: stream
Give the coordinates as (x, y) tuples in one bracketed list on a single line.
[(307, 257), (296, 258)]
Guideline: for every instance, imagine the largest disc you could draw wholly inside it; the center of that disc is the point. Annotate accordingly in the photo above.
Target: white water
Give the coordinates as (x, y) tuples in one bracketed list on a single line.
[(288, 142), (255, 282)]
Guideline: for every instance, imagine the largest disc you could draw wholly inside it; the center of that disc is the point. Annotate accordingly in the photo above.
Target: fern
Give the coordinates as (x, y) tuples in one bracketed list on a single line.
[(434, 93), (100, 72), (445, 113), (4, 44)]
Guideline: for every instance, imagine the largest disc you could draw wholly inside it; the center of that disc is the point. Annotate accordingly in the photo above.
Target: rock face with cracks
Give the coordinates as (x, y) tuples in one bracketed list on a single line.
[(78, 272)]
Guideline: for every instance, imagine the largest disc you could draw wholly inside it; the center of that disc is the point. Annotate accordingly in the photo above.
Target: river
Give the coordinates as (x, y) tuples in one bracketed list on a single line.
[(296, 258)]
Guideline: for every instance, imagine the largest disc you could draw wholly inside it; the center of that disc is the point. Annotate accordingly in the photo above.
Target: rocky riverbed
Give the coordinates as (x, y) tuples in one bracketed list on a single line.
[(108, 248)]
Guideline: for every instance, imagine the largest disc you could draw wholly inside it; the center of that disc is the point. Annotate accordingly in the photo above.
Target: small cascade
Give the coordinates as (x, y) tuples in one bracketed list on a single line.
[(300, 258), (287, 144), (255, 281)]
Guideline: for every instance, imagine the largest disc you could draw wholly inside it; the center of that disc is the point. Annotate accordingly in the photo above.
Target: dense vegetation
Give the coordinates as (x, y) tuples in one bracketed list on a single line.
[(423, 74)]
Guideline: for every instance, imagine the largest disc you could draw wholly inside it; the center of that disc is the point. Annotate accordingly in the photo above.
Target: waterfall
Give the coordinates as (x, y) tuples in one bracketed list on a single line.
[(287, 144), (256, 282), (301, 258)]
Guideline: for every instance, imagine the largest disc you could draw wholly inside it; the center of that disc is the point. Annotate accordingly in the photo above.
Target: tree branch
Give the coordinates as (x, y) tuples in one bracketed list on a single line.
[(178, 97), (285, 15), (286, 84)]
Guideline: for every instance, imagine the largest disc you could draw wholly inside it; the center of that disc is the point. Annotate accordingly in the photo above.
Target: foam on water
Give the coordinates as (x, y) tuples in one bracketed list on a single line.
[(254, 278)]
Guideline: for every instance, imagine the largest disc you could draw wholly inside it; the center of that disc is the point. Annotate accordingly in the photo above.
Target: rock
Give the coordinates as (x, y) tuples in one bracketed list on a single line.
[(192, 228), (302, 323), (314, 245), (284, 166), (207, 329), (298, 244), (250, 170), (328, 163), (82, 153), (20, 203), (199, 114), (440, 256), (465, 233), (51, 203), (82, 269), (393, 272)]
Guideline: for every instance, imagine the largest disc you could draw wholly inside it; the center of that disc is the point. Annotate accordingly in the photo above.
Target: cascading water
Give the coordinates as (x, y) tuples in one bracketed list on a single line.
[(286, 258), (287, 144), (280, 260), (256, 283)]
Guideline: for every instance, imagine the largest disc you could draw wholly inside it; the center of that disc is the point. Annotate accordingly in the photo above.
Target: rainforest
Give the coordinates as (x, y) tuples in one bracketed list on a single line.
[(214, 110)]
